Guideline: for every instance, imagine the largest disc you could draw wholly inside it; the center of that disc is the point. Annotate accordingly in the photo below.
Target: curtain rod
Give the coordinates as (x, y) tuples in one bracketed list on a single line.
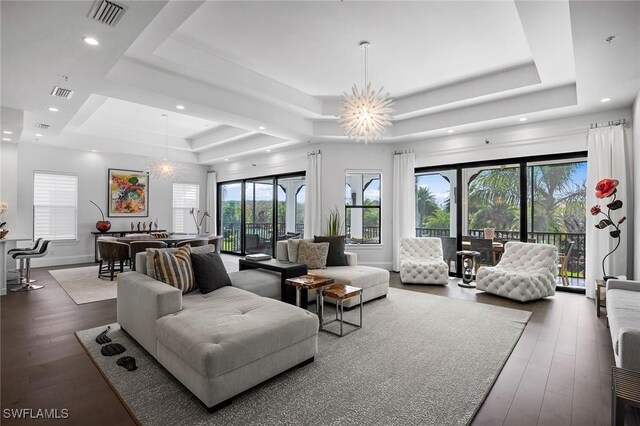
[(620, 122)]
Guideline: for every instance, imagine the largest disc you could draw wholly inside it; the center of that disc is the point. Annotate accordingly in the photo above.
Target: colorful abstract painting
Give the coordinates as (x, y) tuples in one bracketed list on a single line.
[(128, 193)]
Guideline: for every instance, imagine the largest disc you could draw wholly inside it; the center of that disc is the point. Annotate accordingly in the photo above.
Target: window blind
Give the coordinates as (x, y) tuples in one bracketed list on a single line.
[(55, 206), (185, 197)]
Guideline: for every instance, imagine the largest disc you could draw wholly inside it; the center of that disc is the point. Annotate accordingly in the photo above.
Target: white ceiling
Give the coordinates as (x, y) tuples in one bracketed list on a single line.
[(266, 75)]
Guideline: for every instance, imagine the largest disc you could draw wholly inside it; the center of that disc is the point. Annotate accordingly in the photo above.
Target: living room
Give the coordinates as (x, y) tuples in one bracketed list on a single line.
[(246, 104)]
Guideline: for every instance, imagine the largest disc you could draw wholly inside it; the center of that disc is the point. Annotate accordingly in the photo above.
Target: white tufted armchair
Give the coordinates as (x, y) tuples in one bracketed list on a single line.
[(525, 272), (421, 261)]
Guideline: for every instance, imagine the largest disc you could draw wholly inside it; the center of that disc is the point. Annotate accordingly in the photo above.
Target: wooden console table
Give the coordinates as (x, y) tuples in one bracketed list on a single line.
[(97, 235)]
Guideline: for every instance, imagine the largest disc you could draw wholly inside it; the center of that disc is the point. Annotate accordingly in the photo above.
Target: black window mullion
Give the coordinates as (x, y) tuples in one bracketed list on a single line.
[(523, 202)]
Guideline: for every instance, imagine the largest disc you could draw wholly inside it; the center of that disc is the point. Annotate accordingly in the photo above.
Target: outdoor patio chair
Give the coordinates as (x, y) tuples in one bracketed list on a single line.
[(485, 248), (563, 260), (449, 250)]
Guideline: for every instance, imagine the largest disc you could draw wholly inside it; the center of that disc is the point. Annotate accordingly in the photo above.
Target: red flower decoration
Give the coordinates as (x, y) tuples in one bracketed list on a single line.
[(595, 210), (622, 220), (606, 187)]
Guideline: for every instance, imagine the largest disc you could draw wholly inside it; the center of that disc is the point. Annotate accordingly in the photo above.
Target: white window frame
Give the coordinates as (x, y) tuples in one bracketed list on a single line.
[(51, 233), (181, 219)]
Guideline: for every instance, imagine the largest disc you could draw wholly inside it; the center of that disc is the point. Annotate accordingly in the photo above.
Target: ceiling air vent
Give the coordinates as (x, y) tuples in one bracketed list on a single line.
[(42, 126), (59, 92), (107, 12)]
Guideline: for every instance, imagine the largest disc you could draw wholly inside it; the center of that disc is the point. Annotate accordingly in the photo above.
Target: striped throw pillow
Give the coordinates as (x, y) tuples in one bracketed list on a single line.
[(175, 269)]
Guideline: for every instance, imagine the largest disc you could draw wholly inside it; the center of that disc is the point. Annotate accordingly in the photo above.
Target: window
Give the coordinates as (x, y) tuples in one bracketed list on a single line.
[(55, 206), (362, 208), (185, 198)]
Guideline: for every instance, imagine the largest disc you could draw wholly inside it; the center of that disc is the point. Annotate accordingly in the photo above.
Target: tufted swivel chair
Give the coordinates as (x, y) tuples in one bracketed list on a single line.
[(421, 261), (525, 272)]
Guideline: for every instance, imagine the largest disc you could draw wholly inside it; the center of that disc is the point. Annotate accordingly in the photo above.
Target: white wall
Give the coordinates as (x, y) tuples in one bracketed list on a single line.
[(636, 180), (91, 169), (530, 139), (8, 188)]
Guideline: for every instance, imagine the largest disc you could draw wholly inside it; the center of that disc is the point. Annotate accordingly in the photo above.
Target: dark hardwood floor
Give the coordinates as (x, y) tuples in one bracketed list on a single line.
[(558, 374)]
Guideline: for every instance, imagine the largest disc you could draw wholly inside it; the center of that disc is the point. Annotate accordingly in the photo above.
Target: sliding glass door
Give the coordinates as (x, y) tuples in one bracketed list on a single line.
[(230, 216), (255, 213), (536, 199), (436, 210), (556, 205)]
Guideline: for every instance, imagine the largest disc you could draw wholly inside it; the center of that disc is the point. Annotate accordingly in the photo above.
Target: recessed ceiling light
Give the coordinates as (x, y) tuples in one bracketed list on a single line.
[(450, 131), (53, 109), (523, 118), (268, 150), (226, 159), (6, 139), (605, 100), (262, 128), (7, 132), (179, 106), (38, 135), (94, 150), (91, 41)]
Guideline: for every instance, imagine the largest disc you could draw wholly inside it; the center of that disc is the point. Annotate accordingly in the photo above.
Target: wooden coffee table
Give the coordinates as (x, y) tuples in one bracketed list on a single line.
[(342, 292), (304, 283)]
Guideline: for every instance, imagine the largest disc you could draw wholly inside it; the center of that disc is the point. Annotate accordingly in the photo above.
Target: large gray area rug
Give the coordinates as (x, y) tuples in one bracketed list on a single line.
[(419, 360)]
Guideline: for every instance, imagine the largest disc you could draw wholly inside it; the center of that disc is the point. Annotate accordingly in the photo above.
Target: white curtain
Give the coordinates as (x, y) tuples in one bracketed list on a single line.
[(404, 215), (313, 197), (607, 158), (212, 201)]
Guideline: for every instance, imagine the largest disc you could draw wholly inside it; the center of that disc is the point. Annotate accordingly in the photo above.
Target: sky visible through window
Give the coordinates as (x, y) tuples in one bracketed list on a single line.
[(440, 188)]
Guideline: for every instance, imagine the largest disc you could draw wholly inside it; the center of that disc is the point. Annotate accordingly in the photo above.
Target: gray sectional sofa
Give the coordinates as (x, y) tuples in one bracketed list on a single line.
[(221, 343), (623, 313)]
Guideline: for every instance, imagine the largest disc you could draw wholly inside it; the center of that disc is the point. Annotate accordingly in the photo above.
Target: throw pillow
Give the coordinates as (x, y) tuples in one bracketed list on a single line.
[(151, 252), (336, 256), (314, 255), (292, 248), (175, 269), (209, 272)]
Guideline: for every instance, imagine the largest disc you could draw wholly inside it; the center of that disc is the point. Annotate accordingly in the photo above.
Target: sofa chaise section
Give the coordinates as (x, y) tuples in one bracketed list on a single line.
[(217, 344), (373, 281)]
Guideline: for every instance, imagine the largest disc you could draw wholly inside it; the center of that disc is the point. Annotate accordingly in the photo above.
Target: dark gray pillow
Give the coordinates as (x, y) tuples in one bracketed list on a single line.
[(336, 256), (209, 272)]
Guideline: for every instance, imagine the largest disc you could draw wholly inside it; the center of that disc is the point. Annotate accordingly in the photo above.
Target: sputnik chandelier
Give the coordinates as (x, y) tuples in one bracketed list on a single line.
[(365, 114), (165, 169)]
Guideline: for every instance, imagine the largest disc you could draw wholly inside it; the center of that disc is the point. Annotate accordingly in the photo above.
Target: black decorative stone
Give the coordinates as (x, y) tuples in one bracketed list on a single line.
[(103, 338), (112, 349), (127, 362)]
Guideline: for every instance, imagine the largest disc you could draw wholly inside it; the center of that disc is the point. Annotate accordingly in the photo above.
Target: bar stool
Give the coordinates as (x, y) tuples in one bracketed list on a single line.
[(21, 261), (27, 256)]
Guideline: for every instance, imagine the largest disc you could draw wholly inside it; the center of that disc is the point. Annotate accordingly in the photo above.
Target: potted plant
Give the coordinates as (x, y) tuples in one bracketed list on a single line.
[(198, 217), (334, 223)]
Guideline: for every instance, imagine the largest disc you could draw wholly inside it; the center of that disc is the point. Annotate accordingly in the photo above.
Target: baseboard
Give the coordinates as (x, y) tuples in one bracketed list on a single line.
[(61, 260), (383, 265)]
